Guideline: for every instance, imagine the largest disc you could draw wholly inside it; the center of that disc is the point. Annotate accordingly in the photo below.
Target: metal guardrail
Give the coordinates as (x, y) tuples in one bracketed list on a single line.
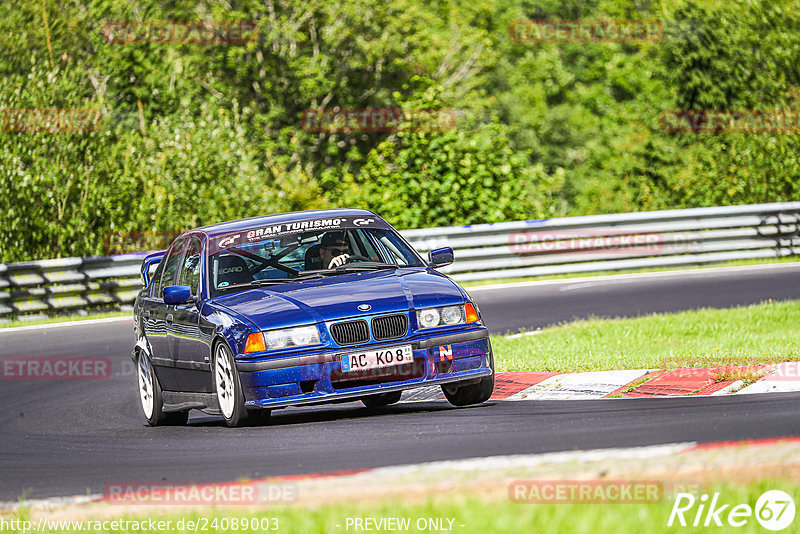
[(617, 241), (39, 289), (483, 252)]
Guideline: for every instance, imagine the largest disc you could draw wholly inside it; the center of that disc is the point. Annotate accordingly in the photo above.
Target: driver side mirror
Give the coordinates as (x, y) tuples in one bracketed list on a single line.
[(440, 257), (177, 294)]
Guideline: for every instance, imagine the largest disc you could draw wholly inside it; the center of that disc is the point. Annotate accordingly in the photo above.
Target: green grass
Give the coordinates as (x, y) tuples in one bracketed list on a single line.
[(67, 318), (733, 263), (495, 515), (762, 333)]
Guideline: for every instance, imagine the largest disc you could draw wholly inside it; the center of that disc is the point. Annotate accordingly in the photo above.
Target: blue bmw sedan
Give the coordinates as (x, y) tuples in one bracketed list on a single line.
[(243, 317)]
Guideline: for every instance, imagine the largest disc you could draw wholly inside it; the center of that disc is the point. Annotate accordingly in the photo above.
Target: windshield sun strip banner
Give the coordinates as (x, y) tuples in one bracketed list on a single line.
[(258, 233)]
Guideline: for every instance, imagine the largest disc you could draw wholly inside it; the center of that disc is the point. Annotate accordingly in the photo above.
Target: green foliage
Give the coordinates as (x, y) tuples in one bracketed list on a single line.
[(743, 57), (468, 174), (473, 177), (193, 134)]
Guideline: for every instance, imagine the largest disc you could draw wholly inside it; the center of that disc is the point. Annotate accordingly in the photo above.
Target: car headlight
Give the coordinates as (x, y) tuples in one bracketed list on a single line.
[(447, 315), (304, 335), (428, 318), (452, 314), (291, 337)]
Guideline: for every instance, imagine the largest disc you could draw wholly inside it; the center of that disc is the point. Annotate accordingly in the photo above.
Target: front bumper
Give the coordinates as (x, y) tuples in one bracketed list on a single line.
[(318, 377)]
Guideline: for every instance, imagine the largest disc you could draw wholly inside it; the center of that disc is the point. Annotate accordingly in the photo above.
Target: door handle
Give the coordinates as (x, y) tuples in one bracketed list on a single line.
[(147, 314), (169, 318)]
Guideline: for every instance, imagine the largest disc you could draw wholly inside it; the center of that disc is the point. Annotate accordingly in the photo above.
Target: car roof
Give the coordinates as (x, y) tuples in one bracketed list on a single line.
[(214, 230)]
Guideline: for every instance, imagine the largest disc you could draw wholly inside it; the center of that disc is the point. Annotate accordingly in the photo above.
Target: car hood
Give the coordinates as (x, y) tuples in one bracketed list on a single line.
[(338, 297)]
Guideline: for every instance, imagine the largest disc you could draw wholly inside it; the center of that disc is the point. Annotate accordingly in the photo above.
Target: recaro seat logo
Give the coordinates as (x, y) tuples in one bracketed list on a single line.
[(774, 510)]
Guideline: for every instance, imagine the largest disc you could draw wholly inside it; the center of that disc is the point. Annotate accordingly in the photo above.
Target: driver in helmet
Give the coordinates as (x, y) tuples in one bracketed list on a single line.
[(333, 249)]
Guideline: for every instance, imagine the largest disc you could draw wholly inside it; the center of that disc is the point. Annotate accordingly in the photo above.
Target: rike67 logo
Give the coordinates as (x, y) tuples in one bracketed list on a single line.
[(774, 510)]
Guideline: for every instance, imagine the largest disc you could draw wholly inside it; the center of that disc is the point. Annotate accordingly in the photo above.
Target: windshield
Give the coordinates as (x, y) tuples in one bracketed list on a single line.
[(312, 254)]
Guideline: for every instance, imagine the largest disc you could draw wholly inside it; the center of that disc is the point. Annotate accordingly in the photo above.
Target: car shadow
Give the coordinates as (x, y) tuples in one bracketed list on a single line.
[(352, 411)]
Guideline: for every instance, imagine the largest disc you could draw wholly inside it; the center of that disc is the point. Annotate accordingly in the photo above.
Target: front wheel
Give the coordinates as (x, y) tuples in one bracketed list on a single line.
[(472, 393), (229, 392), (151, 398)]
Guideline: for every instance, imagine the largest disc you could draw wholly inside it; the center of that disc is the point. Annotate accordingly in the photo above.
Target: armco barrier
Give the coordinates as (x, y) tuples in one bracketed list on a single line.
[(616, 241), (483, 252), (37, 289)]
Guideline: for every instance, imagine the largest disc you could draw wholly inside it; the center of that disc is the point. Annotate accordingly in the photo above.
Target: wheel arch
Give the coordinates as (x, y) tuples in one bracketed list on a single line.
[(216, 340), (142, 347)]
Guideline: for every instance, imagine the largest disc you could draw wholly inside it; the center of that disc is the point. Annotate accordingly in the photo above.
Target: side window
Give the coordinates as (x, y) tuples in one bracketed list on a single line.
[(155, 281), (190, 270), (395, 253), (171, 265), (365, 246)]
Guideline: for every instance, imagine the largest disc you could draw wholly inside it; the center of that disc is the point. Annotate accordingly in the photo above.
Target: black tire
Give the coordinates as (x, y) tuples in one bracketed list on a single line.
[(382, 399), (230, 395), (465, 395), (148, 385)]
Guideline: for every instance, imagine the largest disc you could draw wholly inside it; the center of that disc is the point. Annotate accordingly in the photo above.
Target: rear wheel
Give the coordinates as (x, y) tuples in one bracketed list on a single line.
[(229, 392), (151, 398), (382, 399)]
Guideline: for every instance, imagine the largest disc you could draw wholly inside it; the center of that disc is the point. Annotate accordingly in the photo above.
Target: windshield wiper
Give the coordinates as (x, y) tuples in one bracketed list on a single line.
[(269, 281), (310, 275), (257, 283), (363, 267)]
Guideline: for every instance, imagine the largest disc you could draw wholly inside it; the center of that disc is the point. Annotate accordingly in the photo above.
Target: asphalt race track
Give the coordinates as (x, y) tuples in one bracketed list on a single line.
[(60, 438)]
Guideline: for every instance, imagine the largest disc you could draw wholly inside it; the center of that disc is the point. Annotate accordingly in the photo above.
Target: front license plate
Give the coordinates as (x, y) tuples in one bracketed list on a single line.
[(375, 359)]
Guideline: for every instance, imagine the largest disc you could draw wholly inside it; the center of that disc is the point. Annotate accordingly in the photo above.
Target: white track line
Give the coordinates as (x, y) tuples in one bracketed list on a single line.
[(527, 460), (525, 334), (66, 323)]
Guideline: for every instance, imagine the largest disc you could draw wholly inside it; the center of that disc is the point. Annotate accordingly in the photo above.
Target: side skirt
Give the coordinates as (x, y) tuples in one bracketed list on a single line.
[(176, 401)]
